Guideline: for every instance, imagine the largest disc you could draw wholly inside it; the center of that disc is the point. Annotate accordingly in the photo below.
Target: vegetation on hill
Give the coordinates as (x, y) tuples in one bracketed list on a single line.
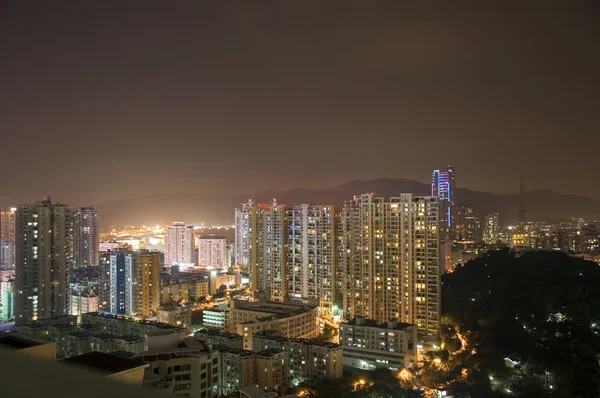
[(525, 326)]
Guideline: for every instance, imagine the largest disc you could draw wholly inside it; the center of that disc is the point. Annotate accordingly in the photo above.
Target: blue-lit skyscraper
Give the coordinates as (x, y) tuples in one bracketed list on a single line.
[(443, 185), (122, 266)]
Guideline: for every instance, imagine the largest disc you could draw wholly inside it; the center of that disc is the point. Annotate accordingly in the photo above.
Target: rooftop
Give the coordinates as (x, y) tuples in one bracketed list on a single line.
[(104, 363), (272, 310), (14, 342), (124, 318), (241, 353), (390, 325), (217, 333), (274, 336), (269, 352)]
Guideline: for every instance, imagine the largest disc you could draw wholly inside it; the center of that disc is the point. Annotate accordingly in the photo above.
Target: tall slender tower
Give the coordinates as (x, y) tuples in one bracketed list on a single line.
[(149, 282), (443, 186), (86, 236), (44, 244), (123, 269), (521, 208)]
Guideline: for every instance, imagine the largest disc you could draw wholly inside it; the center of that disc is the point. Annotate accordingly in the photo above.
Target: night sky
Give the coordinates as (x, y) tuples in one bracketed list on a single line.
[(103, 100)]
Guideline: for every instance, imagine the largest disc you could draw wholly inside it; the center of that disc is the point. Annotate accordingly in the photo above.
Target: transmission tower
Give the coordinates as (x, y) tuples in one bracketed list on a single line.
[(521, 207)]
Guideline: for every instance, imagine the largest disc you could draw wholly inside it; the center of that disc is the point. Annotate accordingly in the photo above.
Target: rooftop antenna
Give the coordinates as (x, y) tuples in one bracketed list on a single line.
[(521, 207)]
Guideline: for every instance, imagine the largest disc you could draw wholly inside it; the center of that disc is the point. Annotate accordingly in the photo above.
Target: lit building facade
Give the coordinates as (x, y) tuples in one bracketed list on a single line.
[(311, 255), (491, 229), (122, 272), (369, 344), (212, 251), (390, 259), (86, 236), (149, 286), (261, 240), (467, 224), (179, 244), (7, 295), (443, 186), (287, 319), (309, 359), (7, 239), (44, 255), (82, 304)]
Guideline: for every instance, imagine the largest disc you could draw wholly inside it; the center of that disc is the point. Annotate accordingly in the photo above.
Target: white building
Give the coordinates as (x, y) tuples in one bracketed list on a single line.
[(86, 236), (82, 304), (369, 344), (179, 244), (215, 317), (7, 254), (212, 251)]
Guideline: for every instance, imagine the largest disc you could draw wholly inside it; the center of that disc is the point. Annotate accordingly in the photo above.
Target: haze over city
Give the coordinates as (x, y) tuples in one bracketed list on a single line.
[(109, 100), (299, 199)]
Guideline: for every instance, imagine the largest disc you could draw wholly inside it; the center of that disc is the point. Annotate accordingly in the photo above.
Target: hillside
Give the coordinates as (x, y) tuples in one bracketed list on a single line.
[(191, 208)]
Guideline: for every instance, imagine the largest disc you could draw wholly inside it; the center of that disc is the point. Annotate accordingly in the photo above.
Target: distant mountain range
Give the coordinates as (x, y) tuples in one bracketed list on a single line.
[(192, 208)]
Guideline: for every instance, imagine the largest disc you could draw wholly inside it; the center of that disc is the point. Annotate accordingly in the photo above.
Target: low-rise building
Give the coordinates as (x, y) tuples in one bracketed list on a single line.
[(369, 344), (286, 319), (215, 317), (120, 325), (237, 367), (192, 367), (184, 287), (178, 316), (101, 332), (83, 303), (221, 339), (308, 359), (271, 371)]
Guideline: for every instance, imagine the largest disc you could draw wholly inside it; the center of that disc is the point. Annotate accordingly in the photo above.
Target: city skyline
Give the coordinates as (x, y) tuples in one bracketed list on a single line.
[(297, 198), (202, 94)]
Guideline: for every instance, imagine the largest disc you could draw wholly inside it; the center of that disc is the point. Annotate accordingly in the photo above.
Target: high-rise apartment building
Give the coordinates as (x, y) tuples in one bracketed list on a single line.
[(261, 238), (311, 255), (467, 224), (149, 286), (443, 186), (7, 239), (179, 244), (377, 258), (122, 271), (44, 255), (86, 236), (390, 256), (212, 251), (491, 228)]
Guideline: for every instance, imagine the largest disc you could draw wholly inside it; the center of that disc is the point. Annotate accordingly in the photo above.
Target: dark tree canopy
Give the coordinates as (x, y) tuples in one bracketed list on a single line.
[(540, 310)]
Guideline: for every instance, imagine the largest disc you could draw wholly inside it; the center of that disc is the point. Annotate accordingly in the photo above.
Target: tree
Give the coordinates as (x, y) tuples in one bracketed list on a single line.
[(329, 332)]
